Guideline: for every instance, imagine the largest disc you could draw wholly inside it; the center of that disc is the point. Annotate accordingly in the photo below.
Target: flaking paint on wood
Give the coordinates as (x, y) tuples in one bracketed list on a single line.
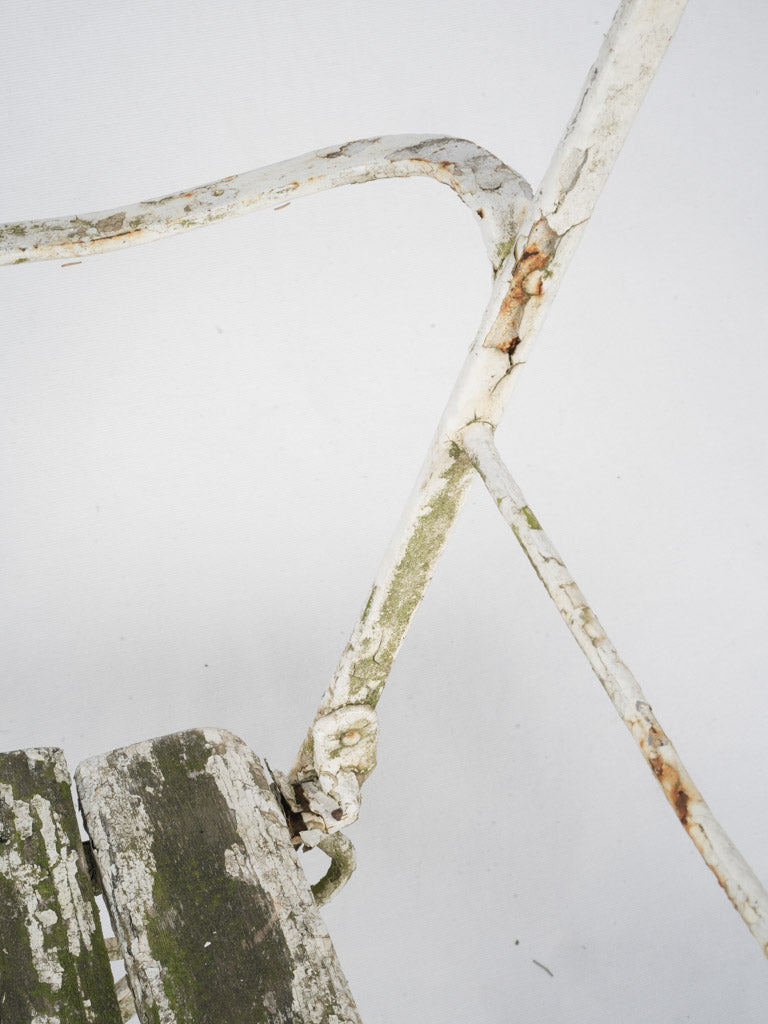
[(54, 967), (210, 904)]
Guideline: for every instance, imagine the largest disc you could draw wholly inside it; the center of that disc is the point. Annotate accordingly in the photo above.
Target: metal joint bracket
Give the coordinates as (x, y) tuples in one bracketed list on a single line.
[(345, 754)]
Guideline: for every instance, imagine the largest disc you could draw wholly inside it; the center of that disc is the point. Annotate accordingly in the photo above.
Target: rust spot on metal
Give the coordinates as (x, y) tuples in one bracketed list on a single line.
[(94, 245), (480, 213), (655, 745), (509, 345), (527, 281), (673, 786), (186, 195), (282, 206)]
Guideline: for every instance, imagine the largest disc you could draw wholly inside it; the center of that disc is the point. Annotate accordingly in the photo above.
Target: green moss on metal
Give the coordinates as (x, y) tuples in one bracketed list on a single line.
[(369, 602), (503, 249), (530, 518), (22, 259), (410, 578), (208, 976)]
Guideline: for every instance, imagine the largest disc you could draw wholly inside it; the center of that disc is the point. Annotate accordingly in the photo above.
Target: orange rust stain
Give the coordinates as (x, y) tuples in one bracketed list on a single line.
[(673, 786), (533, 258), (124, 234), (508, 345), (677, 789), (96, 244), (538, 251), (186, 195), (680, 791), (91, 245)]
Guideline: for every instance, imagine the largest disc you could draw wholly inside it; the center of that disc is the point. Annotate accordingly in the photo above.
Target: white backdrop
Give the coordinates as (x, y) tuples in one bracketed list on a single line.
[(206, 443)]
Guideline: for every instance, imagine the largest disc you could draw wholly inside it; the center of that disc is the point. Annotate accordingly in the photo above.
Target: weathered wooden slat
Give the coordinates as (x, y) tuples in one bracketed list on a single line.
[(209, 902), (54, 967)]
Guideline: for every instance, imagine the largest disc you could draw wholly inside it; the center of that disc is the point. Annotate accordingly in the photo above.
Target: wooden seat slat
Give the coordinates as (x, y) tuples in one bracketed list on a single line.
[(211, 907), (54, 967)]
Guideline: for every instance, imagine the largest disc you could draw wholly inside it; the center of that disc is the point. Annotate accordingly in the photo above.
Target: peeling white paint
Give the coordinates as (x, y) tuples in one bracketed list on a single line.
[(263, 856), (743, 887), (543, 247), (129, 883), (266, 854), (496, 195), (63, 860), (27, 877), (46, 822), (344, 745)]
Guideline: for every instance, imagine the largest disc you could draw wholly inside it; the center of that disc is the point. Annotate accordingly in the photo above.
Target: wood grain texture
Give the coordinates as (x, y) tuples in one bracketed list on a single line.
[(209, 902), (54, 967)]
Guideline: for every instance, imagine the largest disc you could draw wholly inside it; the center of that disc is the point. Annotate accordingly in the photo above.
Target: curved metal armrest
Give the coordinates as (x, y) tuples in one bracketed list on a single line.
[(496, 194)]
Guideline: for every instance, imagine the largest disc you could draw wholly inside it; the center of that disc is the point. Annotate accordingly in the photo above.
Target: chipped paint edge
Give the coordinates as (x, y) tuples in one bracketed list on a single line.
[(496, 195), (744, 889)]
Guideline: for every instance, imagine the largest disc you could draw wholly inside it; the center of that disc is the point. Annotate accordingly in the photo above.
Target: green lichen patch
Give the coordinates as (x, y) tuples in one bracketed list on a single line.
[(503, 249), (410, 578), (224, 957), (369, 602), (81, 989), (530, 518)]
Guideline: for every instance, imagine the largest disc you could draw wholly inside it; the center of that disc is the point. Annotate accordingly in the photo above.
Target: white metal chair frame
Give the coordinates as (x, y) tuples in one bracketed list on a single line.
[(530, 240)]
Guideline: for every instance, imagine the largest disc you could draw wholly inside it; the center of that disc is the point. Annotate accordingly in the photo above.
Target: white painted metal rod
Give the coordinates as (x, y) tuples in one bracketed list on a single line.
[(743, 887), (482, 182), (615, 87), (522, 292)]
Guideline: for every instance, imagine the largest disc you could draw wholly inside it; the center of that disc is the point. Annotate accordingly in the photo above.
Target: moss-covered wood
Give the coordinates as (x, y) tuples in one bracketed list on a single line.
[(210, 904), (54, 967)]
